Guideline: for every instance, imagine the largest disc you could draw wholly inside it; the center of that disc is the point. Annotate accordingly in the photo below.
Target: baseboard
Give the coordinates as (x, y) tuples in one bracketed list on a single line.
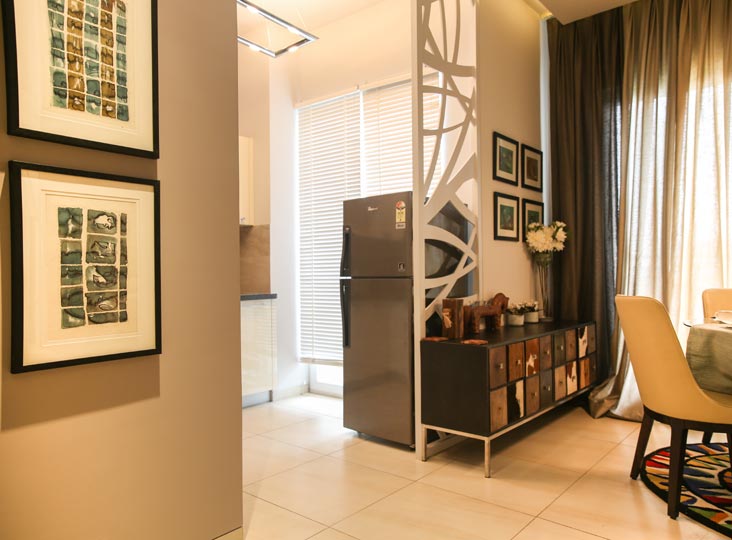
[(237, 534), (293, 391), (256, 399)]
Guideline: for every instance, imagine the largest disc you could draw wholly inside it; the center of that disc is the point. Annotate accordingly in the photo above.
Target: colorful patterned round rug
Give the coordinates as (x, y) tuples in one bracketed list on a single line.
[(706, 491)]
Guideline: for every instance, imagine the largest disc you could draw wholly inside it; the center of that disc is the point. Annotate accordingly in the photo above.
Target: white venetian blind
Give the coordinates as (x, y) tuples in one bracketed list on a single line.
[(329, 167), (387, 136)]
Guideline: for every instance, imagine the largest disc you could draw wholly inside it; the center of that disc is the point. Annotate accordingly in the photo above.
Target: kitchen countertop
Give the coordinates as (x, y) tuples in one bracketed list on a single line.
[(259, 296)]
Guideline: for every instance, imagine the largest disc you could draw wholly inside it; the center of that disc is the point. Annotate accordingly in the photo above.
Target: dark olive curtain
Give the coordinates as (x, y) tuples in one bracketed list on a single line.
[(586, 72)]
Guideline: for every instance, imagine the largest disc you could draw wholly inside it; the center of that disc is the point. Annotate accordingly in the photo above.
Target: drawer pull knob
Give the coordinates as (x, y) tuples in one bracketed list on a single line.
[(561, 347), (518, 362), (533, 394), (500, 366)]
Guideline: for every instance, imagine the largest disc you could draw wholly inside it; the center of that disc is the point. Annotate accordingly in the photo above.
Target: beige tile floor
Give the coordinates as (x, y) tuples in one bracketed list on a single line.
[(563, 477)]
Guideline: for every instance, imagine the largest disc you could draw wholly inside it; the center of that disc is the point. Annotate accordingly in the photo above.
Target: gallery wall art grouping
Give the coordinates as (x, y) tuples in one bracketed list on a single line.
[(85, 245), (512, 216)]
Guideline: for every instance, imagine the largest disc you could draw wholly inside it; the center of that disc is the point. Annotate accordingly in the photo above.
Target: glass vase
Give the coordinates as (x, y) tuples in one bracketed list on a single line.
[(542, 261)]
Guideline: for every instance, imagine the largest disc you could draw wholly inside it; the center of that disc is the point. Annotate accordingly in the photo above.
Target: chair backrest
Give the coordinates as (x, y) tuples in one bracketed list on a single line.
[(663, 375), (715, 300)]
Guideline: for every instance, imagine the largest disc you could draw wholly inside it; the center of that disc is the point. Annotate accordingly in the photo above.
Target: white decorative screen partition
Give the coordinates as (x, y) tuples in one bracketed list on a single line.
[(447, 225)]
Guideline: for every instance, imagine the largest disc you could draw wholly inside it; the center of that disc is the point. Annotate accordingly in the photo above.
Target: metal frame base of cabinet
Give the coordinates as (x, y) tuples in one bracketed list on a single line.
[(434, 448)]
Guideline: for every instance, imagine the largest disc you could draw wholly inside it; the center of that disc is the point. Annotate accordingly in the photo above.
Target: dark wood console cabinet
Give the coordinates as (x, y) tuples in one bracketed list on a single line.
[(483, 391)]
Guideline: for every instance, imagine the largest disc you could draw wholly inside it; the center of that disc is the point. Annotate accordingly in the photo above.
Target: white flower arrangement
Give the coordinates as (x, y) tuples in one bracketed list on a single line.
[(546, 238), (523, 307)]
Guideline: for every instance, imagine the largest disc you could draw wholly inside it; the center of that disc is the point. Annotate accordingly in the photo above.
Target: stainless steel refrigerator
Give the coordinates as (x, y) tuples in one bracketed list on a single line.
[(376, 306)]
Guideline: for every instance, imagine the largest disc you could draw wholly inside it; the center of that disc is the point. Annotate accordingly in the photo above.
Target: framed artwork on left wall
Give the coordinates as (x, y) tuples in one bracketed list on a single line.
[(84, 73), (85, 267)]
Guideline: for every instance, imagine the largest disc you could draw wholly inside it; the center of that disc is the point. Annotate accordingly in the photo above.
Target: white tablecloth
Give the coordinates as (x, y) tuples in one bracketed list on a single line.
[(709, 352)]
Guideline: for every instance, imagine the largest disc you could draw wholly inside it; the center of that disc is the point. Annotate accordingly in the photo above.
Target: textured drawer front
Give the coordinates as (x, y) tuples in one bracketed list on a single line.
[(559, 357), (499, 413), (497, 360), (584, 373), (593, 369), (532, 357), (515, 361), (582, 337), (515, 401), (546, 390), (591, 343), (572, 378), (560, 383), (570, 345), (532, 395), (545, 352)]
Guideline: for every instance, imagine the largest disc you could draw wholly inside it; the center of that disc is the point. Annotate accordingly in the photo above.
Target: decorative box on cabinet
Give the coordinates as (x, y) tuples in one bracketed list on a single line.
[(483, 391)]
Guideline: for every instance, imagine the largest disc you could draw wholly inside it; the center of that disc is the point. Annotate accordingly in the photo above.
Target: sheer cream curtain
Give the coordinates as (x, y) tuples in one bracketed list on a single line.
[(676, 161)]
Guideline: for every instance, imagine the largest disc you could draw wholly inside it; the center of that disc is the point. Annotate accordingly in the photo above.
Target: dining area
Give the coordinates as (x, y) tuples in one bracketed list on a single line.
[(689, 390)]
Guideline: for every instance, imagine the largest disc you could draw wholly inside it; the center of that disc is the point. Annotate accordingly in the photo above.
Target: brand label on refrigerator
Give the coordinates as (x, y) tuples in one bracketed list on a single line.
[(401, 215)]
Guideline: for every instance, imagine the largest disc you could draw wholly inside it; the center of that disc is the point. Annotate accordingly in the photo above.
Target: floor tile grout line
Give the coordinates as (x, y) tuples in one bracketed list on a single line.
[(292, 512), (411, 482), (280, 472)]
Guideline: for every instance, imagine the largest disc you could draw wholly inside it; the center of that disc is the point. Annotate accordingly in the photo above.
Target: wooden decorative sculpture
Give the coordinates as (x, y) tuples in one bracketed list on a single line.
[(492, 311)]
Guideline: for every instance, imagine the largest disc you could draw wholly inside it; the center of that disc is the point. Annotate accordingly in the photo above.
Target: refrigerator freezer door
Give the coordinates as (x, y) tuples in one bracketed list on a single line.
[(378, 388), (380, 235)]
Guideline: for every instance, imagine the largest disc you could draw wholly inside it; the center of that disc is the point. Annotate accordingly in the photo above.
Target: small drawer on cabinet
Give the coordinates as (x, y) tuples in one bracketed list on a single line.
[(515, 361), (593, 368), (584, 373), (546, 390), (545, 352), (582, 339), (560, 383), (572, 379), (499, 412), (591, 343), (559, 357), (570, 345), (497, 362), (515, 401), (532, 357), (532, 395)]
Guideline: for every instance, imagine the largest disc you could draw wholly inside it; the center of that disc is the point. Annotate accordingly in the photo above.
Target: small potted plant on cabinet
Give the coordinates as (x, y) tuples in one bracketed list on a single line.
[(532, 312), (515, 314)]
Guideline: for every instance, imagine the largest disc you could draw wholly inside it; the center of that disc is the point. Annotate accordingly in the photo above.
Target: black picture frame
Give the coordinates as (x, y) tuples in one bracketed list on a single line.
[(105, 306), (532, 168), (506, 217), (106, 128), (529, 209), (505, 159)]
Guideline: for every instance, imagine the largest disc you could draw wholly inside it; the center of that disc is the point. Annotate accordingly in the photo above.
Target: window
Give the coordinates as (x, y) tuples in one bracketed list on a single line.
[(356, 145)]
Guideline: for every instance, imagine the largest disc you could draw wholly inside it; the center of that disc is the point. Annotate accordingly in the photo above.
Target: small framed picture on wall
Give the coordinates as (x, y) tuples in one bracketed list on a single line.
[(533, 212), (505, 159), (505, 217), (532, 161)]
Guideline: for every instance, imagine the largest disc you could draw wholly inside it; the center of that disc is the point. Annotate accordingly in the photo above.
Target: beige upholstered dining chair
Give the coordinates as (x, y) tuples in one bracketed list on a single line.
[(667, 387), (714, 300)]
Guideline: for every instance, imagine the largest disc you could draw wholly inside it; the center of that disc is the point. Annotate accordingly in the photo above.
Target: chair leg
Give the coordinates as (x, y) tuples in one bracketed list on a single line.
[(676, 467), (707, 437), (640, 446)]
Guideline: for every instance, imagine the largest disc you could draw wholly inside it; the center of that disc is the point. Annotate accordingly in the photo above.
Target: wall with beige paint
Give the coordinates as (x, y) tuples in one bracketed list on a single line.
[(144, 448), (509, 102)]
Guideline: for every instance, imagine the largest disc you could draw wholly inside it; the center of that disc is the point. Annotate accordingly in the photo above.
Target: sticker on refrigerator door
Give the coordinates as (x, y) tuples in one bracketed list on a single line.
[(401, 215)]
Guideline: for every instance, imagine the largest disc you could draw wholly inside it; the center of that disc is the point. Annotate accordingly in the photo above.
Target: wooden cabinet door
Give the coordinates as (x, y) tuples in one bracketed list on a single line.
[(593, 368), (546, 391), (532, 357), (515, 403), (572, 378), (532, 395), (545, 352), (515, 361), (570, 345), (497, 371), (499, 412), (560, 383), (559, 357), (584, 373)]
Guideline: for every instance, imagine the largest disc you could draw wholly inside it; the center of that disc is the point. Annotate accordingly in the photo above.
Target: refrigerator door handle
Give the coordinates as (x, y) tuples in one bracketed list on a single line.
[(346, 311), (346, 252)]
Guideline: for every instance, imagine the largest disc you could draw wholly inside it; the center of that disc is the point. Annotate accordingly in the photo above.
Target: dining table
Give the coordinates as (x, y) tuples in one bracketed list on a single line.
[(709, 353)]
